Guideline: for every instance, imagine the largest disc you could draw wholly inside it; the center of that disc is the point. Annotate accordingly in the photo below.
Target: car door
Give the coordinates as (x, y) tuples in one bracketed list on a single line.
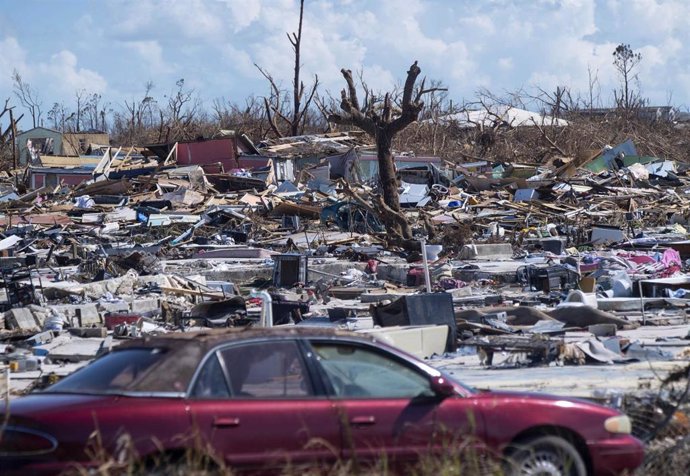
[(258, 406), (387, 406)]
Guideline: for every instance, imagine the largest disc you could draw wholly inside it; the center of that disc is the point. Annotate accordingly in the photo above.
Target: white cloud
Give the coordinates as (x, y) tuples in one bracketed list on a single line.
[(13, 57), (376, 78), (499, 44), (151, 53), (240, 61), (476, 26), (132, 17), (200, 20), (505, 64), (243, 13), (66, 77), (652, 19), (194, 18)]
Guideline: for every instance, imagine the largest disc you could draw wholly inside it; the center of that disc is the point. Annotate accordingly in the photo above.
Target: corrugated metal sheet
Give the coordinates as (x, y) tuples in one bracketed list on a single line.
[(208, 152)]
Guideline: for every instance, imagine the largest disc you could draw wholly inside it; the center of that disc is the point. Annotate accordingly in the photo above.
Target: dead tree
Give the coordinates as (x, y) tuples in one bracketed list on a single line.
[(625, 60), (382, 121), (8, 138), (294, 120), (59, 116), (79, 96), (95, 112), (135, 123), (247, 118), (28, 97), (181, 113)]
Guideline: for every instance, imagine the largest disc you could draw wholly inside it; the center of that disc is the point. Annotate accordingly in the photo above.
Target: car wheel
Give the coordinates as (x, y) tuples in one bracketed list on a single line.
[(545, 456)]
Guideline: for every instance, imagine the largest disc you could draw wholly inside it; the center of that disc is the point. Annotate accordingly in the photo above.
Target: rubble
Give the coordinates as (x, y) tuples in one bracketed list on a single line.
[(548, 265)]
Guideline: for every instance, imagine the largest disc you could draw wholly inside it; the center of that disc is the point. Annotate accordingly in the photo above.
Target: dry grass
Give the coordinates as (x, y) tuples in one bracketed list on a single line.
[(456, 459)]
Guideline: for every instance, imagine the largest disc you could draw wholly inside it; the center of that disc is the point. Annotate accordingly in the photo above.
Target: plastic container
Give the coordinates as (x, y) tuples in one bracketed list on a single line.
[(54, 322)]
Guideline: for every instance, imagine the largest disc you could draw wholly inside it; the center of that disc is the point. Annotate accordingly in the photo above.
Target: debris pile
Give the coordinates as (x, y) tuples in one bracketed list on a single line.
[(554, 265)]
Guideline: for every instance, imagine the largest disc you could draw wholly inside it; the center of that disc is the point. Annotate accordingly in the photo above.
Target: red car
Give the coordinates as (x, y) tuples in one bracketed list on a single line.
[(260, 399)]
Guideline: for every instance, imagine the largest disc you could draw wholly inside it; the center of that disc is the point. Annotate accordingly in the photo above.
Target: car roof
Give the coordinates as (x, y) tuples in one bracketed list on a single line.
[(186, 350), (212, 337)]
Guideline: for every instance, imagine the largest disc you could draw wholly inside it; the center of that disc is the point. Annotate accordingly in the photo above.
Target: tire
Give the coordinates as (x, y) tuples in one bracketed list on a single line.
[(545, 456)]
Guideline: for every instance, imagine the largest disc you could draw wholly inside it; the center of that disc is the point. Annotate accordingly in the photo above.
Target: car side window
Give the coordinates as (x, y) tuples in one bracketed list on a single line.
[(211, 382), (358, 372), (266, 370)]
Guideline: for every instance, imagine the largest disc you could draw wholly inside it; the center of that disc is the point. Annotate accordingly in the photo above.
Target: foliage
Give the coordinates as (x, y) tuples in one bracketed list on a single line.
[(625, 60)]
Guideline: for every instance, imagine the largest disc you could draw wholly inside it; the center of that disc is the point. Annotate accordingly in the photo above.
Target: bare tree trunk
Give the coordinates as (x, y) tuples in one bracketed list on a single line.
[(79, 95), (14, 142), (294, 120), (297, 88), (383, 127), (389, 181)]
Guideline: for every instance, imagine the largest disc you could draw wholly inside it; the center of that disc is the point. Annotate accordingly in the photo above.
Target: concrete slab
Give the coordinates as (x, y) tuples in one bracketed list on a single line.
[(143, 306), (87, 315), (21, 318), (114, 307), (578, 381), (627, 304), (20, 382), (73, 349)]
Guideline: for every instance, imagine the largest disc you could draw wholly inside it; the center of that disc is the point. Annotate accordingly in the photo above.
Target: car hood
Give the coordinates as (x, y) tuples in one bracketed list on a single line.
[(533, 396)]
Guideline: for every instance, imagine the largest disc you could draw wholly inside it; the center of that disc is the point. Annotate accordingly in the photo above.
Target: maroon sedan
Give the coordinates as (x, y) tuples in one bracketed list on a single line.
[(260, 399)]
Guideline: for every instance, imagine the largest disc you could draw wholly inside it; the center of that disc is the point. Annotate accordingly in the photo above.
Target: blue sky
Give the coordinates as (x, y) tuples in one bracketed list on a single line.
[(115, 46)]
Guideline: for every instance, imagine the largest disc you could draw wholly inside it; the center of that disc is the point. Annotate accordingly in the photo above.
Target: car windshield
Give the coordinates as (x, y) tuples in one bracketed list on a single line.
[(118, 371)]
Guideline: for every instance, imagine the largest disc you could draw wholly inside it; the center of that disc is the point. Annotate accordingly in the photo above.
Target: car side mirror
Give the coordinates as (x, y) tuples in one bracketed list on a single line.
[(442, 387)]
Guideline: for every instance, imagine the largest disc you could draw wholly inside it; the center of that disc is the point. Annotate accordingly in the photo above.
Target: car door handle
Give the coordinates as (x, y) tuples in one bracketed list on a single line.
[(226, 422), (363, 420)]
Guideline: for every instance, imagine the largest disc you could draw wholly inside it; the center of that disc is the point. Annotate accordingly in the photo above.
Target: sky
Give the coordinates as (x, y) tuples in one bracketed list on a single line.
[(114, 47)]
